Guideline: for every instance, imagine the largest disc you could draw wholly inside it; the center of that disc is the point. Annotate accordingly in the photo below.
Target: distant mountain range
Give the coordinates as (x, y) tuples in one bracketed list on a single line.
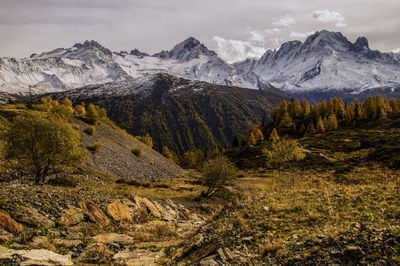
[(325, 64), (178, 113)]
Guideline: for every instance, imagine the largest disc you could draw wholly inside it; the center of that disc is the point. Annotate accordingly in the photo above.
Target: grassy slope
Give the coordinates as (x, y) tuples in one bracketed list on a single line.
[(316, 211)]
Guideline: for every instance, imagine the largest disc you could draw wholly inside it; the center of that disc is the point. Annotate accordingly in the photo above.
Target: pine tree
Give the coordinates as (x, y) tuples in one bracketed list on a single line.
[(258, 135), (80, 110), (394, 105), (146, 139), (369, 108), (92, 115), (332, 122), (274, 135), (320, 125), (305, 108), (169, 154), (252, 140), (310, 128), (294, 109), (321, 108)]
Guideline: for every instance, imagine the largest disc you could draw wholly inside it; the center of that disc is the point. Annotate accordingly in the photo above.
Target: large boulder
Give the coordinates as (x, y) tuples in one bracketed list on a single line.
[(9, 223), (94, 213), (108, 238), (119, 212), (71, 216), (95, 253), (32, 257), (30, 216), (147, 205)]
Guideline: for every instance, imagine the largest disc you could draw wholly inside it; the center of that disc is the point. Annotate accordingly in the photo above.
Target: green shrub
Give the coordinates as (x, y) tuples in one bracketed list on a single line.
[(95, 147), (216, 173), (90, 130), (282, 151), (137, 152)]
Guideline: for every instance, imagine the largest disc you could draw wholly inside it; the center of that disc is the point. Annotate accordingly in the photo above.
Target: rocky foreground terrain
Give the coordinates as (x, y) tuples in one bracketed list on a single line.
[(94, 222)]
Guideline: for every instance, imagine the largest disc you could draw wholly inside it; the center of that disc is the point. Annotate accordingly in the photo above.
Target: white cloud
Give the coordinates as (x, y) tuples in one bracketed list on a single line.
[(236, 50), (256, 36), (300, 35), (327, 16), (271, 31), (396, 50), (285, 21)]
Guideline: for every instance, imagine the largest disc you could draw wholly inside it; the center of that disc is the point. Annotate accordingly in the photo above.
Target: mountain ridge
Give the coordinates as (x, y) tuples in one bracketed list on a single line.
[(324, 64), (178, 113), (326, 61)]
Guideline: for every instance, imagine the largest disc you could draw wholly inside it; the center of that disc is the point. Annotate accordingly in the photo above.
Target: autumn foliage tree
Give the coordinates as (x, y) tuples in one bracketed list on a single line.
[(299, 118), (282, 151), (216, 173), (43, 141)]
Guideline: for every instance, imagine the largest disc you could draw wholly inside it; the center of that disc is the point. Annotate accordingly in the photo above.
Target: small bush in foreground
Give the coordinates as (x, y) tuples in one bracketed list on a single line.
[(95, 147), (90, 130), (283, 151), (216, 173), (137, 152)]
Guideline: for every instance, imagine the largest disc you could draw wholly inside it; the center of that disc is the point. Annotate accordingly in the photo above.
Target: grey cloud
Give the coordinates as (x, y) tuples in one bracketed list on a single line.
[(28, 26)]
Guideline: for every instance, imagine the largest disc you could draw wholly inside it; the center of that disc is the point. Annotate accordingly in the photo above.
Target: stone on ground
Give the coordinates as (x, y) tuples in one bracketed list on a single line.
[(108, 238), (9, 223), (71, 216), (94, 213)]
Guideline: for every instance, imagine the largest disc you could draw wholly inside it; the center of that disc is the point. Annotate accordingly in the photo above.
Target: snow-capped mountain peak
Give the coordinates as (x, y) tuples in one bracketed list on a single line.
[(327, 40), (326, 61), (90, 63), (189, 49)]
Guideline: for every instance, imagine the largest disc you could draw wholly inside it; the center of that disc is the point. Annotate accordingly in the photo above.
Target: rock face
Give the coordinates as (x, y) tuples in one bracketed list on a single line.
[(107, 238), (147, 205), (71, 216), (32, 257), (9, 223), (119, 212), (32, 217), (93, 212), (95, 253)]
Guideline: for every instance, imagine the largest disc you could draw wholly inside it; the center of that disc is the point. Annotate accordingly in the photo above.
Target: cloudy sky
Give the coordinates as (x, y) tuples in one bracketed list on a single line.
[(235, 29)]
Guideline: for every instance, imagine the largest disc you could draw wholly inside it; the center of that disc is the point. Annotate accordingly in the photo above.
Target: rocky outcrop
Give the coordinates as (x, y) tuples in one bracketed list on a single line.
[(119, 211), (95, 253), (71, 216), (147, 205), (30, 216), (32, 257), (9, 223), (93, 212)]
